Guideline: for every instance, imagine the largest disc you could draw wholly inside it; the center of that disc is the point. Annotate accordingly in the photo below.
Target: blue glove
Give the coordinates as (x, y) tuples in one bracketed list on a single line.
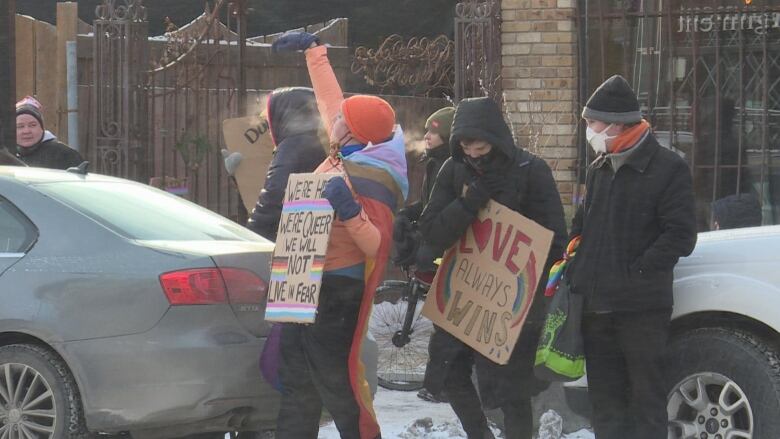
[(292, 41), (340, 197)]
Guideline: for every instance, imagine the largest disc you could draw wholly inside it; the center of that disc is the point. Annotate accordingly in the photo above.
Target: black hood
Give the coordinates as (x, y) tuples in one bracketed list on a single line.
[(480, 118), (292, 111)]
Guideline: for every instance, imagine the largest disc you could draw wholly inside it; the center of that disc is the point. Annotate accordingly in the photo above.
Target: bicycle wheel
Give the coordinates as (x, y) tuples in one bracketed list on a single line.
[(399, 368)]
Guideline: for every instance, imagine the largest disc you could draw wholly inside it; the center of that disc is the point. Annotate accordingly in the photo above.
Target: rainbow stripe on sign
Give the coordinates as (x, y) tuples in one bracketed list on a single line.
[(290, 311), (317, 266), (279, 269), (319, 205)]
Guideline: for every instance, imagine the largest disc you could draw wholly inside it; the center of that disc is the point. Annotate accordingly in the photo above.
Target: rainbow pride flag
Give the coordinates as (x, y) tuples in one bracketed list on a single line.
[(279, 268)]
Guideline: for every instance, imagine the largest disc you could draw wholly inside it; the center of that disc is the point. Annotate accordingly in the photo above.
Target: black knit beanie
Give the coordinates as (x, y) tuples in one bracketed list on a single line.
[(613, 102)]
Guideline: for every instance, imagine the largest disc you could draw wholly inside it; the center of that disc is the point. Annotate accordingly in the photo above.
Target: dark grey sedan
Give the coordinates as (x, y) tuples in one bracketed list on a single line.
[(125, 308)]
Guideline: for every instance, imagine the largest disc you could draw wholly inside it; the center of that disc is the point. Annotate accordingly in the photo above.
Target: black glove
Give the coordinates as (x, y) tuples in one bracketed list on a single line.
[(402, 227), (292, 41), (493, 182), (476, 197), (405, 249)]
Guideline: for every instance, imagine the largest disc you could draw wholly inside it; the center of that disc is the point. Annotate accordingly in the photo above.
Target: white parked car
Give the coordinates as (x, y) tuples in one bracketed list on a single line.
[(724, 353)]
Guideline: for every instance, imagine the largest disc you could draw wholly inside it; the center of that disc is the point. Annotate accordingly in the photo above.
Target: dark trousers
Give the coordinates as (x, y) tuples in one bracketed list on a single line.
[(507, 387), (314, 365), (625, 356)]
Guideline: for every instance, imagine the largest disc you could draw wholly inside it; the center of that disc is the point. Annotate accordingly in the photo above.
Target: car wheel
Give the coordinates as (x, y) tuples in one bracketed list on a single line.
[(725, 384), (38, 394)]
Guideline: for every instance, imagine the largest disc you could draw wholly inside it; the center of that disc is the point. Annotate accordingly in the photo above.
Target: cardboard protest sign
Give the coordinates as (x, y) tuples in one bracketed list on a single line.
[(485, 284), (299, 256), (251, 137)]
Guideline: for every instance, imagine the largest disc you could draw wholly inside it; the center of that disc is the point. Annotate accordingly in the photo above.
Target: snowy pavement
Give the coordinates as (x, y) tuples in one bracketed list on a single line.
[(402, 415)]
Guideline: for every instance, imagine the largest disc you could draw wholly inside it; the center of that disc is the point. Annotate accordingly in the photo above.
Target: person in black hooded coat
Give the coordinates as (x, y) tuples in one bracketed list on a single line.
[(294, 121), (488, 165)]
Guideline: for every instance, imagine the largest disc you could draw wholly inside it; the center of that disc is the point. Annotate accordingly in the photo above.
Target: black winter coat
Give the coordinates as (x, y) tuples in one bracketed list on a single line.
[(531, 191), (293, 120), (530, 187), (635, 224), (49, 153)]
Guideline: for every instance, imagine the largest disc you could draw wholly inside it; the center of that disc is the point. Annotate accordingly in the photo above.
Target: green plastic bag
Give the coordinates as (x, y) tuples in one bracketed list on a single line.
[(560, 355)]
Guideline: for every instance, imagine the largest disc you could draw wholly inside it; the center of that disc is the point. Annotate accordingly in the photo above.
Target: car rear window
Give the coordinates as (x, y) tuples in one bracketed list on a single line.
[(17, 233), (144, 213)]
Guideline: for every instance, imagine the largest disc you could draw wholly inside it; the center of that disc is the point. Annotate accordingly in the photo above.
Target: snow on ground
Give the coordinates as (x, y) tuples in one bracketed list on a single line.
[(402, 415)]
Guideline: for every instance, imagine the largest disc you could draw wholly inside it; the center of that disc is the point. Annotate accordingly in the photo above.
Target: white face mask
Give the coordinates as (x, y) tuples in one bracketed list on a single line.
[(598, 141)]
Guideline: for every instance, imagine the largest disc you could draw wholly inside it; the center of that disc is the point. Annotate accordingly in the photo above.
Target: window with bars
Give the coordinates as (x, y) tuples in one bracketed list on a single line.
[(708, 78)]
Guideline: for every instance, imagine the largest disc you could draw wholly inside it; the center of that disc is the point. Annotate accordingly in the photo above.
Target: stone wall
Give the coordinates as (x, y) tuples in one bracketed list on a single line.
[(539, 74)]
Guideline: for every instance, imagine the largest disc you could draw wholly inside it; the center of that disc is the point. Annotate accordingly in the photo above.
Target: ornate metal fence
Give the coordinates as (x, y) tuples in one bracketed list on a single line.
[(119, 98), (194, 86), (158, 103), (708, 79), (478, 49), (417, 66)]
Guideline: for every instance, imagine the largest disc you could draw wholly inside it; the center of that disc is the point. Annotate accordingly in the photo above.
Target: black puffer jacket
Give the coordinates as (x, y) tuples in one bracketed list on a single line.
[(530, 187), (635, 224), (49, 153), (294, 120)]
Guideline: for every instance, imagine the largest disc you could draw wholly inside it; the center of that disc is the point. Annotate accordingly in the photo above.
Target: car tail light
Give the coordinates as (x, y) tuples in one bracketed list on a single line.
[(243, 286), (204, 286)]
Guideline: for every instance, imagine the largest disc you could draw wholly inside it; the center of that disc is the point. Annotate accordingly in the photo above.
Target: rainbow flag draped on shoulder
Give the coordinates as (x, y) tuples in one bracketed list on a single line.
[(379, 178)]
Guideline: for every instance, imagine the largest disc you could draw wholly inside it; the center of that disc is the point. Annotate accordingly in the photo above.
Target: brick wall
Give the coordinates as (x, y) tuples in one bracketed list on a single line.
[(540, 83)]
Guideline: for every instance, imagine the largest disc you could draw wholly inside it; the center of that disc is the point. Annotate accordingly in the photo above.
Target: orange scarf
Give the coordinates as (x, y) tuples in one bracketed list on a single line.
[(629, 137)]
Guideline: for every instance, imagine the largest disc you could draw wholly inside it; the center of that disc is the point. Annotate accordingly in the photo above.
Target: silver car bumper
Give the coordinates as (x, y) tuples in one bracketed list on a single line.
[(196, 364)]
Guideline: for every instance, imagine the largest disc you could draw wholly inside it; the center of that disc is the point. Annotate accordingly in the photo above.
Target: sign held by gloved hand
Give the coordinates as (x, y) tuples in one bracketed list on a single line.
[(299, 256), (485, 285)]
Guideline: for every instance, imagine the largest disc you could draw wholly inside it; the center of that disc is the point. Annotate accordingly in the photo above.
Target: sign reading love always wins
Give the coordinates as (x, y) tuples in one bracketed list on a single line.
[(299, 256), (485, 284)]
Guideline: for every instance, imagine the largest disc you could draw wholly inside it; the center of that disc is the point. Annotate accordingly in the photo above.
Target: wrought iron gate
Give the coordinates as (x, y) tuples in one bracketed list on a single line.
[(119, 97), (478, 49), (158, 104), (708, 77)]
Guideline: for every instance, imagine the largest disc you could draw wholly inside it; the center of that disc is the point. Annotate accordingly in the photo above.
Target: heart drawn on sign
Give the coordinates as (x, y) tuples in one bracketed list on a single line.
[(482, 231)]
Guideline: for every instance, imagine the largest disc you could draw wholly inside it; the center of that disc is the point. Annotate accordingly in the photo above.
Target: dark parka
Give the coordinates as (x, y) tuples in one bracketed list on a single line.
[(49, 153), (635, 224), (293, 120), (530, 190)]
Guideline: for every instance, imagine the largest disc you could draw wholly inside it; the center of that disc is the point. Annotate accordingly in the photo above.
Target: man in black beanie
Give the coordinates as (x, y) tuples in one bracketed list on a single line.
[(636, 221)]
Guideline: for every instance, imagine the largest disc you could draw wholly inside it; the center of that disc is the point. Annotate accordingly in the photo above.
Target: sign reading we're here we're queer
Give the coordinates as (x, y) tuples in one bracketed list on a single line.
[(299, 256)]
